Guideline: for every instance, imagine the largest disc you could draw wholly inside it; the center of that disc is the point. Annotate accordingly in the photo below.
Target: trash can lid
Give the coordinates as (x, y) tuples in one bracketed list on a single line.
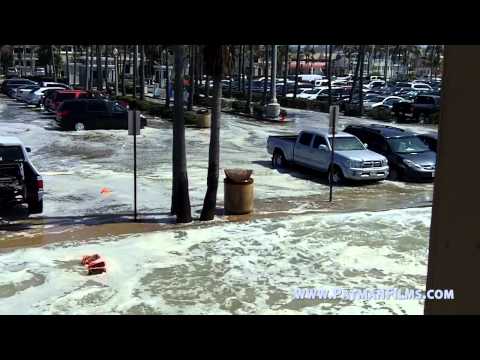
[(238, 175)]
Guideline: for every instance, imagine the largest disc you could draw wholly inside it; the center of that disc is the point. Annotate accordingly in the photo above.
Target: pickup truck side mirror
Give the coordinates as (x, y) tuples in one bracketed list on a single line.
[(323, 147), (366, 145), (28, 149)]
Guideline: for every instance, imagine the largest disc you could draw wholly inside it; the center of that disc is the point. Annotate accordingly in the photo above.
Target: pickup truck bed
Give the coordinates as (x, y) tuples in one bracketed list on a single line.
[(12, 182)]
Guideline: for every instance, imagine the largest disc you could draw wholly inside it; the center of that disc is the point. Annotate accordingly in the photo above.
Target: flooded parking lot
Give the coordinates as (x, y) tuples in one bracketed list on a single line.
[(374, 235)]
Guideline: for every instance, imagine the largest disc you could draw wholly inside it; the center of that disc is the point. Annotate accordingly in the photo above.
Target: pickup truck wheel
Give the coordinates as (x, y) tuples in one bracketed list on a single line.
[(337, 175), (35, 207), (79, 126), (278, 160)]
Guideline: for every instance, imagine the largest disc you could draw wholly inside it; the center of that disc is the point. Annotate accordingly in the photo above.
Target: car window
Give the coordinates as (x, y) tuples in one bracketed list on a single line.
[(11, 153), (391, 101), (407, 144), (118, 108), (319, 140), (77, 106), (347, 143), (97, 106), (305, 138)]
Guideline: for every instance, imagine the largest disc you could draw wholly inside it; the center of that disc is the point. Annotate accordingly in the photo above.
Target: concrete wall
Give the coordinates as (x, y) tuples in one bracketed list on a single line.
[(454, 256)]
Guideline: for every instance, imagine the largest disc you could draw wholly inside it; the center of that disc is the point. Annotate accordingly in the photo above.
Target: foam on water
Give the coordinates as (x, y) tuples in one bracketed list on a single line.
[(233, 268)]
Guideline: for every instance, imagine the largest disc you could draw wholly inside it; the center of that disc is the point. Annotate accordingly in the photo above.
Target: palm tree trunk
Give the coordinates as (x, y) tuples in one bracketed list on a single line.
[(244, 88), (53, 64), (142, 72), (240, 50), (210, 200), (355, 77), (285, 73), (362, 60), (385, 68), (106, 67), (135, 71), (32, 70), (191, 71), (74, 55), (297, 65), (329, 74), (124, 67), (68, 65), (167, 80), (250, 76), (87, 72), (99, 68), (265, 83), (180, 197)]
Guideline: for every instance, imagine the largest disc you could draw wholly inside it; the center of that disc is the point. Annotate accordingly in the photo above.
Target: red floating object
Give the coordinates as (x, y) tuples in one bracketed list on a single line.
[(94, 264)]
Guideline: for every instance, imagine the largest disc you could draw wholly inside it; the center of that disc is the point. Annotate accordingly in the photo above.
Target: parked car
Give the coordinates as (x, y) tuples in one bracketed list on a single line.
[(372, 99), (421, 87), (61, 95), (12, 72), (408, 156), (312, 94), (431, 139), (54, 84), (20, 182), (48, 96), (10, 85), (338, 94), (24, 90), (387, 103), (40, 71), (421, 109), (35, 97), (312, 149), (89, 114)]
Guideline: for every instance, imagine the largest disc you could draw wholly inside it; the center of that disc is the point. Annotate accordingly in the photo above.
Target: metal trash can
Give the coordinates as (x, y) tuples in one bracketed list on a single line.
[(239, 191), (203, 118)]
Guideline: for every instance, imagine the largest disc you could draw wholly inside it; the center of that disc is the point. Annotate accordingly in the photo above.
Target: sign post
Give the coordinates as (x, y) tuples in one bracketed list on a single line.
[(134, 129), (334, 110)]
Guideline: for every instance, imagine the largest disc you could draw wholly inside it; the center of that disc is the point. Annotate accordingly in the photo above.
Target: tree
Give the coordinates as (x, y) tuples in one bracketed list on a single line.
[(6, 57), (142, 72), (285, 73), (265, 81), (297, 65), (180, 197), (68, 64), (191, 75), (217, 62), (250, 76), (124, 68)]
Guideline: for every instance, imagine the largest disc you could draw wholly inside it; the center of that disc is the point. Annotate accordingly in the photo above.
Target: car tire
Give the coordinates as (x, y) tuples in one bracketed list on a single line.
[(337, 175), (79, 126), (35, 207), (278, 160)]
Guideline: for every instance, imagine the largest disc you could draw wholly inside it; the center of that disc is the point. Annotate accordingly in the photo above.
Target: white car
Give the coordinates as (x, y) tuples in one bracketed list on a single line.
[(311, 94), (375, 84), (421, 87), (23, 91), (54, 84), (388, 102), (35, 97)]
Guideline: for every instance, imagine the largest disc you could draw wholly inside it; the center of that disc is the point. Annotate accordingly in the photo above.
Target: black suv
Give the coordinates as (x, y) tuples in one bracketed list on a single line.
[(408, 156), (89, 114), (14, 83)]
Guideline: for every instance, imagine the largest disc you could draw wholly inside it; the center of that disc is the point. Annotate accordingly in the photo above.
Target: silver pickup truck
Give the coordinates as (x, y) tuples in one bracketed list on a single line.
[(312, 149)]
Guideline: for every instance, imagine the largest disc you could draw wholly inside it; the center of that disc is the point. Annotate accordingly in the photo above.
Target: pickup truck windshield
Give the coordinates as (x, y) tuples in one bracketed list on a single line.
[(11, 153), (347, 143), (407, 144)]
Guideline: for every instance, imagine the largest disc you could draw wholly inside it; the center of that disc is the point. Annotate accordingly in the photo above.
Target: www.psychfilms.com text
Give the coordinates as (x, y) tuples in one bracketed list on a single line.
[(372, 294)]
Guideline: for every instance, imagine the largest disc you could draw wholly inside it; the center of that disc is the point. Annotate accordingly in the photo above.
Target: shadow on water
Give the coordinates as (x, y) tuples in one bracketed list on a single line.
[(304, 173), (19, 220)]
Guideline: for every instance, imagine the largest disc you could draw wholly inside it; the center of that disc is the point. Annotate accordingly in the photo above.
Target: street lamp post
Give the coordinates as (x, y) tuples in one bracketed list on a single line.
[(115, 56)]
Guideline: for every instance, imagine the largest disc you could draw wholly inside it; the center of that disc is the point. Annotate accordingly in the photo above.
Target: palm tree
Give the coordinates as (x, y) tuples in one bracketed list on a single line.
[(167, 80), (250, 76), (68, 64), (142, 72), (297, 65), (180, 196), (265, 82), (191, 73), (105, 74), (217, 60), (285, 73), (74, 56), (135, 71), (362, 61), (124, 65)]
